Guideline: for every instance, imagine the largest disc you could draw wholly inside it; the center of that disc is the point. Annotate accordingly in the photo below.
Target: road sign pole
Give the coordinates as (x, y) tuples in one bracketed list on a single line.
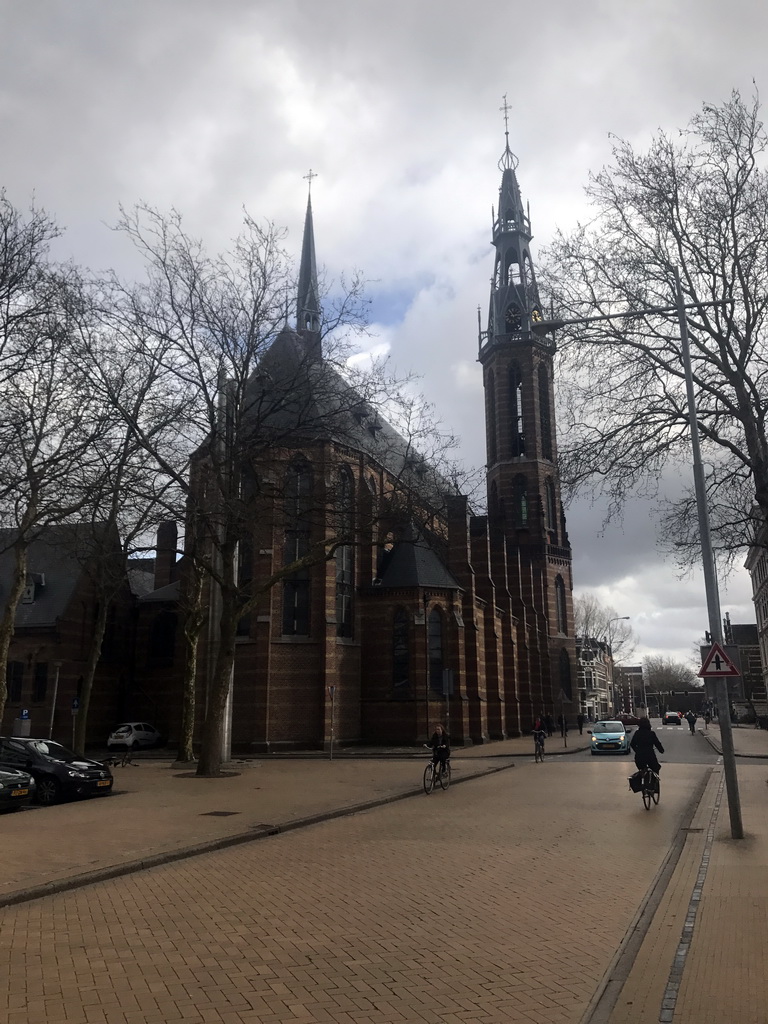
[(710, 577)]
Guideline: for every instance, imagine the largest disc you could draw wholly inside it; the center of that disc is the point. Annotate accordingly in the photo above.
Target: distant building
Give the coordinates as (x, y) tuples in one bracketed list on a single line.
[(595, 678), (756, 565), (629, 696), (51, 641)]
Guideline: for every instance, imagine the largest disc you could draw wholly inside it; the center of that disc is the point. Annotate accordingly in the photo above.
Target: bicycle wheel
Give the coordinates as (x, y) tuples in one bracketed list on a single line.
[(445, 777), (656, 792), (647, 795), (429, 778), (537, 754)]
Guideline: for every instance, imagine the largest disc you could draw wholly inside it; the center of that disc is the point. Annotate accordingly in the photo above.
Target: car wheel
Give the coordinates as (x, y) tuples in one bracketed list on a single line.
[(48, 790)]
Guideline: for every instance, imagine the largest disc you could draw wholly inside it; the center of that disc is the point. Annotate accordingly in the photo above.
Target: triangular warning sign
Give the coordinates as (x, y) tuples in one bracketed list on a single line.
[(717, 663)]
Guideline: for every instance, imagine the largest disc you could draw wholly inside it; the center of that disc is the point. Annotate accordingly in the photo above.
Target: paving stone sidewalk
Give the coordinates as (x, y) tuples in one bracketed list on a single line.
[(747, 740), (160, 811)]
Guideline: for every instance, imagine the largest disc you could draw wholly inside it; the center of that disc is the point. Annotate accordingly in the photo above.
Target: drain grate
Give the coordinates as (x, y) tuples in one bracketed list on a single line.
[(691, 829), (218, 814)]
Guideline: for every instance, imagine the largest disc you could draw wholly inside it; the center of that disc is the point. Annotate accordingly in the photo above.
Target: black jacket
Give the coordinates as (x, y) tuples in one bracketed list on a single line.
[(644, 741), (438, 741)]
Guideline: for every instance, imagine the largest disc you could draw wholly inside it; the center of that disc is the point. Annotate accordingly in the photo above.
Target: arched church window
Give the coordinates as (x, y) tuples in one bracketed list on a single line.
[(345, 555), (490, 391), (401, 668), (560, 606), (544, 413), (296, 587), (565, 674), (517, 436), (435, 632), (550, 506), (520, 499), (512, 268)]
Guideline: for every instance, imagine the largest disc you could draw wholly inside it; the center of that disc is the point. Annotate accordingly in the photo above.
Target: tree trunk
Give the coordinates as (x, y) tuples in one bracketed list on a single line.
[(8, 620), (213, 727), (193, 623), (99, 628)]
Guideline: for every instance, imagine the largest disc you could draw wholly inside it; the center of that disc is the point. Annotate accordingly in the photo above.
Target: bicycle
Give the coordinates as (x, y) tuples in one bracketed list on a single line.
[(538, 751), (651, 787), (442, 775)]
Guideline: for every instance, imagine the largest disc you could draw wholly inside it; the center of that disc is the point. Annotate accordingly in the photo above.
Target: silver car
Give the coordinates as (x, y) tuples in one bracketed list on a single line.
[(132, 736)]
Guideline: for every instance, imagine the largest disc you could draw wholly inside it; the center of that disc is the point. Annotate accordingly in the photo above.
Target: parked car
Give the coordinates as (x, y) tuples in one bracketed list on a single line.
[(609, 737), (58, 772), (16, 789), (671, 718), (132, 735)]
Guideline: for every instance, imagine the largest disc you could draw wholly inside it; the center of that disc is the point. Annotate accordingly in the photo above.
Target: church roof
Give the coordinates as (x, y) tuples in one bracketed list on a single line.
[(415, 564), (295, 397)]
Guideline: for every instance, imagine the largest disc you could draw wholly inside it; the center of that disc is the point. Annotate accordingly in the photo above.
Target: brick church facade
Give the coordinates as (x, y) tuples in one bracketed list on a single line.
[(451, 615)]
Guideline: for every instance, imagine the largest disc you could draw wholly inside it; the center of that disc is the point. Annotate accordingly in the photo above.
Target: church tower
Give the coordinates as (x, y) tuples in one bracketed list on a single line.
[(526, 521)]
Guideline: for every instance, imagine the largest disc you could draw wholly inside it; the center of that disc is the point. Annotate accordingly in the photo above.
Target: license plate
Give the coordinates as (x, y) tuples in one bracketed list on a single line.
[(19, 792), (104, 782), (611, 746)]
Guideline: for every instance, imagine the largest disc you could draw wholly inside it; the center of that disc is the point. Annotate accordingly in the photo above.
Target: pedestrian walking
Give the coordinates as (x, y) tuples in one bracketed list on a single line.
[(549, 724), (580, 723), (691, 720), (707, 718)]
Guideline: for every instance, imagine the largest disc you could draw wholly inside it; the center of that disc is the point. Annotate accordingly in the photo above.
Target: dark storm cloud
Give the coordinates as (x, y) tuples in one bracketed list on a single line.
[(212, 106)]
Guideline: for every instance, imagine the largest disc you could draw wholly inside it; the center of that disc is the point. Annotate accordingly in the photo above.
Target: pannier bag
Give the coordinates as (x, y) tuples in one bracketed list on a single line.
[(636, 782)]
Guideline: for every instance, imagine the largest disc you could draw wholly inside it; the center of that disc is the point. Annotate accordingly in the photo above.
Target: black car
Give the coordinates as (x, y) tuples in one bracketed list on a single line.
[(57, 771), (16, 789)]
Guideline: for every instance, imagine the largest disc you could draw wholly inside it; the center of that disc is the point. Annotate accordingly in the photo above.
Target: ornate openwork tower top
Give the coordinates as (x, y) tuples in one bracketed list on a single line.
[(514, 301)]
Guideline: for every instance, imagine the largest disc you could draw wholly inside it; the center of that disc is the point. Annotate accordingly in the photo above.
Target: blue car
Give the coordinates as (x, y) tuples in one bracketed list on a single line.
[(609, 737)]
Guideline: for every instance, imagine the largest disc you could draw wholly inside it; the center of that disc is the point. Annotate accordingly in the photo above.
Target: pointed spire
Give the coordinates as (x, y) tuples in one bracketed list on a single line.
[(308, 303)]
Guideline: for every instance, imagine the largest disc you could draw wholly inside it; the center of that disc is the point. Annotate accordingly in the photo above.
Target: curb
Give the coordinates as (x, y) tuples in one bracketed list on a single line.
[(255, 832), (719, 750)]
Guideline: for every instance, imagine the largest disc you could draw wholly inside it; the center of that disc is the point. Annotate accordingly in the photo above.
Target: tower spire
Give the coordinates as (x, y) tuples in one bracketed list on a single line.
[(514, 301), (308, 303)]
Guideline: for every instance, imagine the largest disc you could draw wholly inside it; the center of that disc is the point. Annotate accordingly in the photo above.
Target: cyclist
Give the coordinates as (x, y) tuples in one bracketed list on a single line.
[(441, 747), (539, 734), (643, 743)]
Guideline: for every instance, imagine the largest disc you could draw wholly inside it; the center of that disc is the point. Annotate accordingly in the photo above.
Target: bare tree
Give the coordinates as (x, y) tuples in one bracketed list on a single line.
[(246, 392), (662, 673), (698, 202), (597, 621), (47, 424)]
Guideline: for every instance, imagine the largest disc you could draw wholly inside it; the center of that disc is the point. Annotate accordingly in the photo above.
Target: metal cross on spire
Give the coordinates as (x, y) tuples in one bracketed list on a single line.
[(308, 177), (505, 108), (508, 158)]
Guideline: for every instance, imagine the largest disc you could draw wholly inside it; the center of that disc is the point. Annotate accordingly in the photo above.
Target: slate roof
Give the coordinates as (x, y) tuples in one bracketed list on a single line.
[(55, 563), (170, 592), (415, 564), (745, 634)]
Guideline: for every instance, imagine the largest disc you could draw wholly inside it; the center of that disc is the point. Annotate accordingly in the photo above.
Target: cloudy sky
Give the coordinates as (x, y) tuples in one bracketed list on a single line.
[(215, 106)]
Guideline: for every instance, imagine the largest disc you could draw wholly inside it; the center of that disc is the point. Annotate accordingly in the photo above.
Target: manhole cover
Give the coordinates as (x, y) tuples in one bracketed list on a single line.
[(218, 814)]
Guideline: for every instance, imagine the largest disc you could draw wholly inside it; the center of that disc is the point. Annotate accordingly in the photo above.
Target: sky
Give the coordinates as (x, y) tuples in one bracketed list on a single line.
[(211, 108)]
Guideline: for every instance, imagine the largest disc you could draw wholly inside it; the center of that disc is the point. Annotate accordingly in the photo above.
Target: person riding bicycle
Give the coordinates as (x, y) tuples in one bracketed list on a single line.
[(643, 743), (441, 747), (539, 734)]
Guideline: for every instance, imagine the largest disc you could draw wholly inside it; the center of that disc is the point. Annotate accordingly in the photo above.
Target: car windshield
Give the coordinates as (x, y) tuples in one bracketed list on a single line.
[(609, 727), (56, 750), (121, 729)]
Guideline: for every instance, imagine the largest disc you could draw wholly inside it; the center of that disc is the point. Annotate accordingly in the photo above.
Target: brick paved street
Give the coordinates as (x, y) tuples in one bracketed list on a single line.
[(502, 900)]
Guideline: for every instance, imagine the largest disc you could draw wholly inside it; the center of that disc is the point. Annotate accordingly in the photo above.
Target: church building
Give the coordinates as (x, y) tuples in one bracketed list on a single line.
[(426, 611)]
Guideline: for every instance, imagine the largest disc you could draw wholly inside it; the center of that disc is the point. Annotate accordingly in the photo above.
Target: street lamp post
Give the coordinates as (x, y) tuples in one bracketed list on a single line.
[(543, 327)]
